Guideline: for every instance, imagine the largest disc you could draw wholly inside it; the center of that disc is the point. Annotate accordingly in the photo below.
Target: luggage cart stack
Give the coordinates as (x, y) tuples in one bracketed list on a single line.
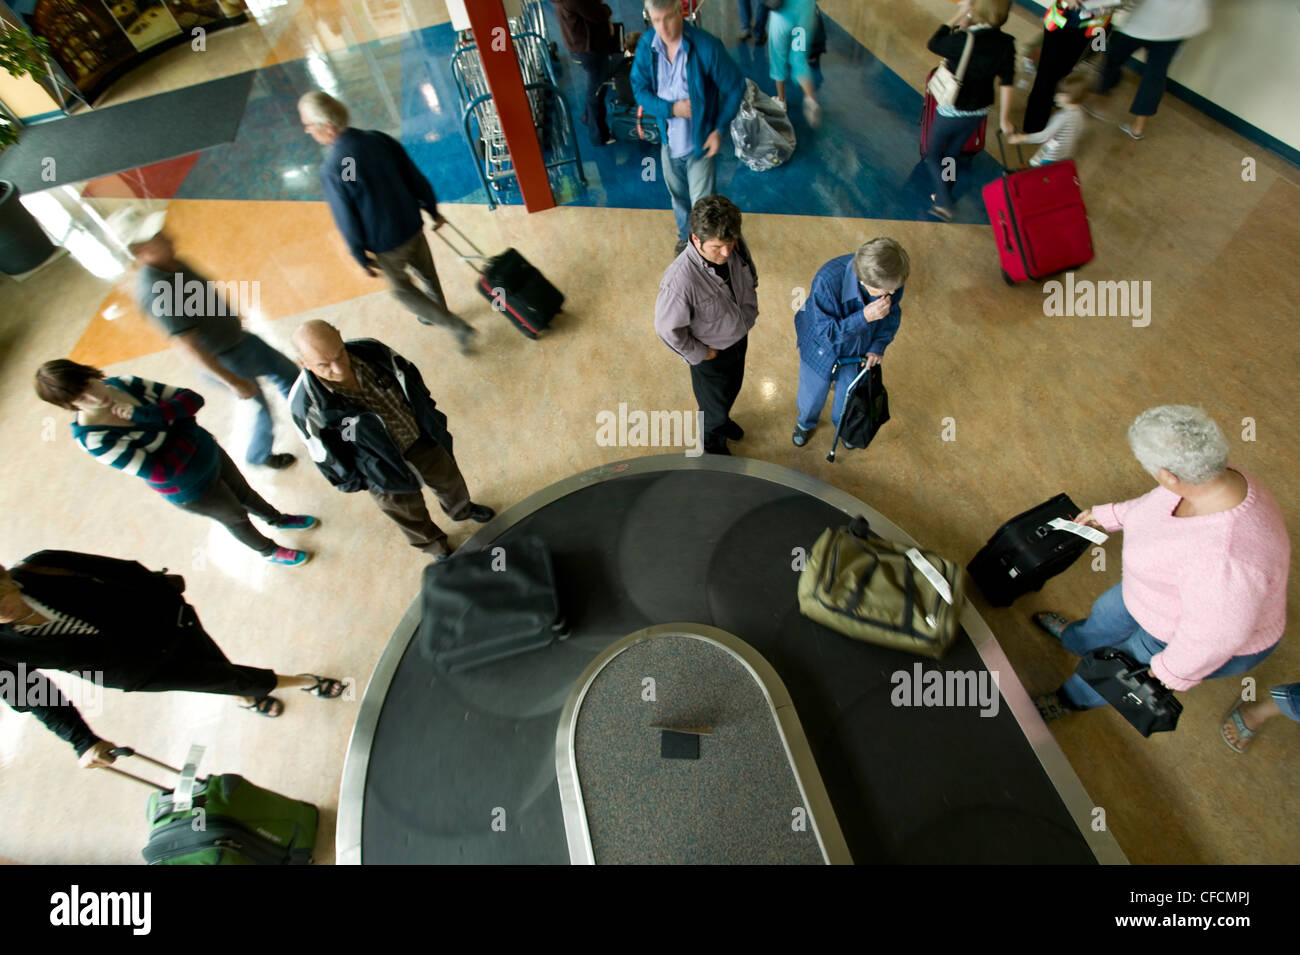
[(481, 123)]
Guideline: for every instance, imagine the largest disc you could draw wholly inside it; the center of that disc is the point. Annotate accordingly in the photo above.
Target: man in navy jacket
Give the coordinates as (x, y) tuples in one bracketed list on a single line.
[(375, 193), (852, 314), (685, 78), (370, 424)]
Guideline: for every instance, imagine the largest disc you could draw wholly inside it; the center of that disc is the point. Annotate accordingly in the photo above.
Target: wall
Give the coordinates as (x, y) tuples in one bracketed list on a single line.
[(1248, 63)]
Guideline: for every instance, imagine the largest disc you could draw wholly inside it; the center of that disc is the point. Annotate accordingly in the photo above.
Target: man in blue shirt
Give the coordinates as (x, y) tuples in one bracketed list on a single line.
[(684, 77), (375, 193), (853, 314)]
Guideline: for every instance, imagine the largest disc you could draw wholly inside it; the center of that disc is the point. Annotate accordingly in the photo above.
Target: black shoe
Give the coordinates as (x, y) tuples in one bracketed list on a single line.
[(279, 461), (851, 447), (733, 431), (480, 513), (719, 449), (681, 247), (800, 437)]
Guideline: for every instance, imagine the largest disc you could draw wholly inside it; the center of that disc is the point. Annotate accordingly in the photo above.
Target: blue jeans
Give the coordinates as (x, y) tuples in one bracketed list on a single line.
[(753, 16), (813, 389), (1287, 698), (253, 358), (947, 135), (1111, 625), (689, 180)]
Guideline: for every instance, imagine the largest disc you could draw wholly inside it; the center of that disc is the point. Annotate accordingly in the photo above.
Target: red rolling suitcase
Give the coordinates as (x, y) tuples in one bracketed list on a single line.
[(973, 145), (1039, 220)]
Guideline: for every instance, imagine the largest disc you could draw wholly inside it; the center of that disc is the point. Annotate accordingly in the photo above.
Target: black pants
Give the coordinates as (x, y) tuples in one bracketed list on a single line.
[(192, 661), (1160, 53), (1061, 51), (596, 66), (230, 500), (716, 384)]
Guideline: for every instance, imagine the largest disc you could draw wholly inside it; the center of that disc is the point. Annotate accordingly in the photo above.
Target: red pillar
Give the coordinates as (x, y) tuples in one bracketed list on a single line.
[(501, 68)]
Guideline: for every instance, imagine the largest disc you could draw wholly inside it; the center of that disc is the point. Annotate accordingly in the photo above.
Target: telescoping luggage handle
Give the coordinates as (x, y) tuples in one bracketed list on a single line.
[(463, 257), (1002, 151), (183, 794), (848, 393)]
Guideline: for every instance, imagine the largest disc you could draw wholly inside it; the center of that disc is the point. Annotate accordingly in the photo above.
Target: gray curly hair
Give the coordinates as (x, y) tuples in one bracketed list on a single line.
[(1182, 439)]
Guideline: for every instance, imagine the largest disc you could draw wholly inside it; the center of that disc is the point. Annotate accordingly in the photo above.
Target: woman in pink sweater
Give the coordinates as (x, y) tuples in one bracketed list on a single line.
[(1205, 562)]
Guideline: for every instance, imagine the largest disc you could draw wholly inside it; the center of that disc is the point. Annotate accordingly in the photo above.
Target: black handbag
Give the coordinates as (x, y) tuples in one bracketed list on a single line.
[(866, 407), (1129, 687)]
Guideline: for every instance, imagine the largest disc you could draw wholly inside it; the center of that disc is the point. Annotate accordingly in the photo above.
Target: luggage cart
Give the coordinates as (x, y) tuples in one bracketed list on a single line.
[(482, 125)]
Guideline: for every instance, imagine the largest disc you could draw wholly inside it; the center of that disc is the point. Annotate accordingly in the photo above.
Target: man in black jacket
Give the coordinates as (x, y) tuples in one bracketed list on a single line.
[(369, 423)]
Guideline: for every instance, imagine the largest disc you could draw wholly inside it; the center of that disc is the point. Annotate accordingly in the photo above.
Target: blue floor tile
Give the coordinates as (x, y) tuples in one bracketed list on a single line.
[(862, 162)]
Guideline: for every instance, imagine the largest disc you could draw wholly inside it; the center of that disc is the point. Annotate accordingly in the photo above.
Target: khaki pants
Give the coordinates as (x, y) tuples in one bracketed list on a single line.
[(429, 306), (440, 473)]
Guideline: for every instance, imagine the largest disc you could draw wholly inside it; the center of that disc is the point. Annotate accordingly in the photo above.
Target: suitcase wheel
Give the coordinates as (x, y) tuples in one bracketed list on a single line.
[(1007, 278)]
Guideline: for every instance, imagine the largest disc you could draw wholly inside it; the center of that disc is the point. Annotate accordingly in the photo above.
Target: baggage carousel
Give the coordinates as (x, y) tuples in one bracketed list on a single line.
[(679, 576)]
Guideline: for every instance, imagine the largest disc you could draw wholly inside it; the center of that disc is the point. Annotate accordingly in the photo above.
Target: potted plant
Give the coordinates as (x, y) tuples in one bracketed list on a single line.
[(20, 54)]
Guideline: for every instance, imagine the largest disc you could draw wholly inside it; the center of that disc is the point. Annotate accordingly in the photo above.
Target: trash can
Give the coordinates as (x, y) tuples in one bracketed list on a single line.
[(23, 243)]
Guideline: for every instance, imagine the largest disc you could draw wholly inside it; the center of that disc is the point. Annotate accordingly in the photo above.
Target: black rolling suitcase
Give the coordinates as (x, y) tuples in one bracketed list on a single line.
[(513, 286), (490, 605), (1026, 552), (866, 407)]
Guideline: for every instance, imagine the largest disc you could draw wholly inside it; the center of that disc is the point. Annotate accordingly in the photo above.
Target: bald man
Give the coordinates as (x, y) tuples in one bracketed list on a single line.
[(369, 423)]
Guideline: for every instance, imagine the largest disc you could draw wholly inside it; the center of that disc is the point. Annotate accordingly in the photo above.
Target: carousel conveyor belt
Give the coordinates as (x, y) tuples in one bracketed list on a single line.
[(462, 768)]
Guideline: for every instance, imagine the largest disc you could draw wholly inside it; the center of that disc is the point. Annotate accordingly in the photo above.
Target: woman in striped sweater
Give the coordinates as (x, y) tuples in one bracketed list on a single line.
[(148, 429)]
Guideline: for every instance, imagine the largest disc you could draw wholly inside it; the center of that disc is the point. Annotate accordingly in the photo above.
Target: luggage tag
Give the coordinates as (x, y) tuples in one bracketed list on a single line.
[(183, 795), (1083, 530), (930, 573)]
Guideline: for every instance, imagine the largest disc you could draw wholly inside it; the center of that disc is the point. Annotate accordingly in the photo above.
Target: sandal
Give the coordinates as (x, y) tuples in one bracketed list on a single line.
[(325, 687), (267, 706), (1051, 622), (1244, 733), (1052, 707)]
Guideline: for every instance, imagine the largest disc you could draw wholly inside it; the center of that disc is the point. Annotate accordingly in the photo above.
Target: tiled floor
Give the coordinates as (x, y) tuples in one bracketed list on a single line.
[(1040, 404)]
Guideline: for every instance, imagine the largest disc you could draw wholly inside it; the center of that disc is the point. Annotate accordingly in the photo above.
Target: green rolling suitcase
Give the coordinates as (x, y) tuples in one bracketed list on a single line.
[(223, 820)]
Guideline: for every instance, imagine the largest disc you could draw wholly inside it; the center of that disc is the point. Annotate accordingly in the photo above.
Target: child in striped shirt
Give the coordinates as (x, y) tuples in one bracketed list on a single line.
[(1061, 134)]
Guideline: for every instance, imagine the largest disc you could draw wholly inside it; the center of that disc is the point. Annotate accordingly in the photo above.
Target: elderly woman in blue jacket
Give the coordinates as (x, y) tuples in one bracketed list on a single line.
[(684, 77), (852, 314)]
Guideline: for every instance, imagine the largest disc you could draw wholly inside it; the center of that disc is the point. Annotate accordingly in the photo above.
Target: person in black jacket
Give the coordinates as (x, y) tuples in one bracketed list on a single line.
[(129, 626), (368, 420), (377, 195), (589, 36), (993, 56)]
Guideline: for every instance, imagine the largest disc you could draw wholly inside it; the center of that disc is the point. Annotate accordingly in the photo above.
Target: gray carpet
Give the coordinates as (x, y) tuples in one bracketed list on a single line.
[(110, 140)]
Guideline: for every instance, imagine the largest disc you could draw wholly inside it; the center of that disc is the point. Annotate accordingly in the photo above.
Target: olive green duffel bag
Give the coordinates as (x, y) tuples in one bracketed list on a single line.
[(882, 592)]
